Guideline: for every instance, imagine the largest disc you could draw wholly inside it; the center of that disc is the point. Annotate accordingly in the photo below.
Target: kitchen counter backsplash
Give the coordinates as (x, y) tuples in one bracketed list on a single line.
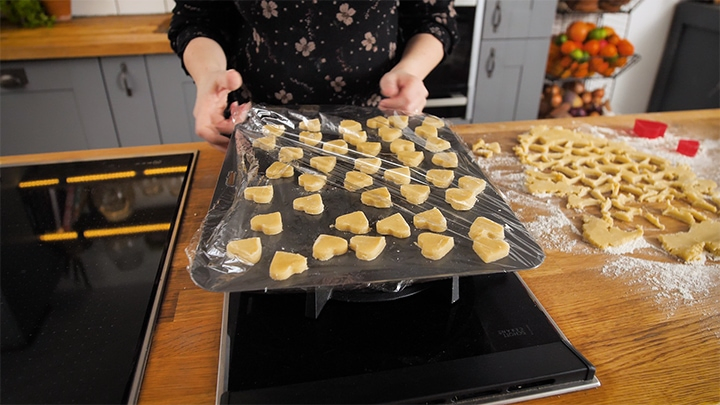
[(85, 8)]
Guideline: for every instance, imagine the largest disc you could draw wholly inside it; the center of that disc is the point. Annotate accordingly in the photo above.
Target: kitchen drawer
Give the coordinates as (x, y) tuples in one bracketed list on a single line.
[(505, 19), (174, 97), (49, 106), (509, 79)]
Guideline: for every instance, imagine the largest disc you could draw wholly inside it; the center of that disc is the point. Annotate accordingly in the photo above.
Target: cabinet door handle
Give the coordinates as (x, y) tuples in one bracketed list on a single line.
[(496, 16), (13, 78), (490, 64), (123, 79)]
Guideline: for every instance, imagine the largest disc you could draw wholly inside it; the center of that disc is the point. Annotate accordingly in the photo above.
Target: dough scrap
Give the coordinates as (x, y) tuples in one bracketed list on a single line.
[(434, 246), (269, 224), (394, 225), (689, 246), (354, 222), (326, 247), (259, 194), (311, 204), (286, 264), (367, 248), (603, 235), (248, 250)]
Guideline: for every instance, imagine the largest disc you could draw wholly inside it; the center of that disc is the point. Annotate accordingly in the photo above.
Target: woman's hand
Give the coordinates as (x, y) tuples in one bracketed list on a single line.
[(210, 104), (405, 93)]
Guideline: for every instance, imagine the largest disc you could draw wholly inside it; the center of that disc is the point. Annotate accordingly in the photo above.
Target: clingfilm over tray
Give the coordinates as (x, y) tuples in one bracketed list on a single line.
[(229, 216)]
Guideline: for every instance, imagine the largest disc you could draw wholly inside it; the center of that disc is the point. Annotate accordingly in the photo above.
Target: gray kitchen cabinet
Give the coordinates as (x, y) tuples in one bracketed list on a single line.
[(511, 66), (128, 89), (50, 106), (174, 98)]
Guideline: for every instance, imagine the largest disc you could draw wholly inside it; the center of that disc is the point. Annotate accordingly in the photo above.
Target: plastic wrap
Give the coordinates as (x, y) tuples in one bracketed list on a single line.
[(401, 261)]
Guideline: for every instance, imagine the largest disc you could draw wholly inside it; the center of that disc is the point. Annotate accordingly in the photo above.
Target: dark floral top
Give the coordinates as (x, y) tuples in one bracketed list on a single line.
[(311, 51)]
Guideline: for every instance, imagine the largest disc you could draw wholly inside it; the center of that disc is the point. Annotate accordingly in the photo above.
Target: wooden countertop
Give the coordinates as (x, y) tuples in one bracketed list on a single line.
[(88, 37), (644, 353)]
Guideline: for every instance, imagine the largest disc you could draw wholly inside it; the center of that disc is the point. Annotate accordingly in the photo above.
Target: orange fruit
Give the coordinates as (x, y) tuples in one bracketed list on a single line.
[(613, 39), (578, 30), (609, 51), (625, 48), (592, 47), (554, 51), (609, 30), (619, 62), (565, 61), (567, 47)]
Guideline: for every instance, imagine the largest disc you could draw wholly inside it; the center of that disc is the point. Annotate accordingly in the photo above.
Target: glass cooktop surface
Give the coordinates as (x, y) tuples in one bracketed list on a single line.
[(84, 252)]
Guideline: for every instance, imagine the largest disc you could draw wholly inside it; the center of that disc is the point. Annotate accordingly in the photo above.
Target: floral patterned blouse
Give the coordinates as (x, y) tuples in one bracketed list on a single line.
[(311, 51)]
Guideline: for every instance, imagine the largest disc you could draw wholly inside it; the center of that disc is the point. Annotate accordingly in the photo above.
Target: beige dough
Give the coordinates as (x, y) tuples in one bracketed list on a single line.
[(401, 145), (269, 224), (312, 125), (325, 164), (369, 148), (394, 225), (279, 170), (356, 180), (355, 138), (259, 194), (266, 143), (337, 146), (448, 160), (472, 183), (311, 204), (248, 250), (399, 121), (355, 222), (603, 235), (273, 129), (399, 175), (367, 248), (433, 121), (389, 134), (490, 250), (690, 245), (377, 122), (426, 131), (328, 246), (312, 182), (415, 193), (460, 199), (440, 177), (411, 158), (349, 127), (368, 165), (378, 198), (289, 153), (431, 219), (434, 246), (310, 138), (437, 144), (285, 264), (486, 228)]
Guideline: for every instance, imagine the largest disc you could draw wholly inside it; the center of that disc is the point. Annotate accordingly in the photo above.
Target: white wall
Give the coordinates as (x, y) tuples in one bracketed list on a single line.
[(648, 28), (84, 8)]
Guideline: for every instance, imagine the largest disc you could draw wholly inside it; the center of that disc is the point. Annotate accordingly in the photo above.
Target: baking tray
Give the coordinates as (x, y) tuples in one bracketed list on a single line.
[(229, 215)]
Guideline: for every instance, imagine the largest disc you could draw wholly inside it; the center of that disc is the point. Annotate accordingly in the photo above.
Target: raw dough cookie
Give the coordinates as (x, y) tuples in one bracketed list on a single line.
[(310, 138), (394, 225), (312, 125), (434, 246), (490, 250), (399, 175), (311, 204), (426, 131), (399, 121), (349, 127), (323, 163), (689, 245), (355, 222), (431, 219), (377, 122), (368, 165), (389, 134), (415, 193), (433, 121), (338, 146), (440, 177), (603, 235), (437, 144), (285, 264), (472, 183), (355, 138), (259, 194), (411, 158), (269, 224), (312, 182), (460, 199), (367, 248), (486, 228), (289, 153), (266, 143), (279, 170), (448, 160), (356, 180), (401, 145), (328, 246), (369, 148), (378, 198), (273, 129), (248, 250)]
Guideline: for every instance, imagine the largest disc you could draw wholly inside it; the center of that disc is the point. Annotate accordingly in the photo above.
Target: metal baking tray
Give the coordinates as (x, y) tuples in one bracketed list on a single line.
[(229, 215)]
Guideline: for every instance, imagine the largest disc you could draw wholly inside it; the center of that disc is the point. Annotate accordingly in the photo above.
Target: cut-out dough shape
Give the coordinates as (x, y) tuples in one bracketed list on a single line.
[(394, 225), (278, 170), (415, 193), (355, 222), (311, 204), (285, 264), (431, 219), (269, 224), (259, 194), (603, 235), (434, 246), (328, 246), (248, 250), (378, 198), (367, 248), (690, 245)]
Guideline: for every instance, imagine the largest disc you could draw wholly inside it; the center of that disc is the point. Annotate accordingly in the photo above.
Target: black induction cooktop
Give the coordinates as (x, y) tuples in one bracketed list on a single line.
[(84, 252), (489, 342)]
